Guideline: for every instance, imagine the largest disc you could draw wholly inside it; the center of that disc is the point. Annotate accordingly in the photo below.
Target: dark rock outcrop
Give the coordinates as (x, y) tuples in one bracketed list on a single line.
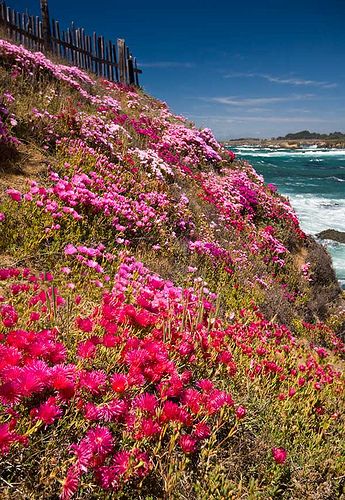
[(332, 234), (324, 285)]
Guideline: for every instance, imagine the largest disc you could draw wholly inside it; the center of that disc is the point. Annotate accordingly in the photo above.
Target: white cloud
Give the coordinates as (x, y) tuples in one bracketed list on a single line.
[(236, 74), (255, 101), (300, 81), (266, 119), (284, 80)]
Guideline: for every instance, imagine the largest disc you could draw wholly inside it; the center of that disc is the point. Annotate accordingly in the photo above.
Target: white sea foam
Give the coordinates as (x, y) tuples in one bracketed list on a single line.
[(337, 251), (301, 153), (336, 178), (317, 213)]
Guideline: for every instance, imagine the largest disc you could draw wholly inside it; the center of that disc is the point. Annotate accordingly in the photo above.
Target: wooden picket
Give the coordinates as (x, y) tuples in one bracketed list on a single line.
[(92, 53)]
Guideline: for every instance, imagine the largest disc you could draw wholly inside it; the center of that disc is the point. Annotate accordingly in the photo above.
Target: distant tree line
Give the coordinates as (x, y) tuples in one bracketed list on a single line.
[(305, 134)]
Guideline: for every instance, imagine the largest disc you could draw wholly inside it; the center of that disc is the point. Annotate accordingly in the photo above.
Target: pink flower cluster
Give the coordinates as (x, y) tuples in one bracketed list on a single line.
[(7, 121), (102, 190), (241, 197), (155, 388), (97, 131), (146, 399), (194, 147), (123, 189), (20, 59), (214, 251)]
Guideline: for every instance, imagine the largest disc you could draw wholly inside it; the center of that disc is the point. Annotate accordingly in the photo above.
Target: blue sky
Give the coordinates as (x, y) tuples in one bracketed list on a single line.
[(244, 68)]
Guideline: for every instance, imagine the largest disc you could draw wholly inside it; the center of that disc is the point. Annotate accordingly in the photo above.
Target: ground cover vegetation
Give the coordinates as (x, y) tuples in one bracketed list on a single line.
[(166, 328)]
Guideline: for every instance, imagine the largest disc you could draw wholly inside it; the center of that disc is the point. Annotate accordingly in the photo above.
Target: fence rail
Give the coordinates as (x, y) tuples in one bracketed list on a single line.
[(92, 53)]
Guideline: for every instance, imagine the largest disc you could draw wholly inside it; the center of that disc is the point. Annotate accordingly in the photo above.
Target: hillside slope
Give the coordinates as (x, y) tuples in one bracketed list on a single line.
[(166, 328)]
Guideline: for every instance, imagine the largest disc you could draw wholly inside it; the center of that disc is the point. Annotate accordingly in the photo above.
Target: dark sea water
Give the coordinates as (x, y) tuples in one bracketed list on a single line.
[(314, 181)]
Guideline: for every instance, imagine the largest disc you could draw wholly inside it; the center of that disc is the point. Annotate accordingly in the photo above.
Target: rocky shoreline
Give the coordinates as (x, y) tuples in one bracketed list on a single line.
[(286, 144)]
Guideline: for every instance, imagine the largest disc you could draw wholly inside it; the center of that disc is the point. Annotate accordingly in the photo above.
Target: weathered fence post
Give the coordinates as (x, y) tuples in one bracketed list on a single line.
[(131, 80), (107, 60), (2, 14), (46, 25), (121, 49), (136, 71)]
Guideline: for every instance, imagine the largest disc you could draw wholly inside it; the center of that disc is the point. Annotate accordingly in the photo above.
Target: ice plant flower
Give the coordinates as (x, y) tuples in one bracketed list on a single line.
[(48, 412), (240, 412), (70, 483), (187, 443), (279, 455)]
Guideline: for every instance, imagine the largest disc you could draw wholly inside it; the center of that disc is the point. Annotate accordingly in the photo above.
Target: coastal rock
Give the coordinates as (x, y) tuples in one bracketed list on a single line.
[(325, 287), (288, 145), (332, 234)]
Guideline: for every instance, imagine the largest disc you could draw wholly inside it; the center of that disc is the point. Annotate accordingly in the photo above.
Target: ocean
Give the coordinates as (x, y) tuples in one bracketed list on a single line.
[(314, 181)]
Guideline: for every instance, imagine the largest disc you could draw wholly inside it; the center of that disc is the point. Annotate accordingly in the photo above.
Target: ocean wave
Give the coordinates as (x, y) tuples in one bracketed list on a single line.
[(293, 153), (317, 213), (313, 180), (337, 252), (338, 179), (322, 178), (246, 149)]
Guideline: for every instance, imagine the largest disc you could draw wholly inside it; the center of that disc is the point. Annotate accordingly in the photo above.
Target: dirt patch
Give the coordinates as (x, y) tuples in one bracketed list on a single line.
[(7, 260), (301, 258), (28, 163)]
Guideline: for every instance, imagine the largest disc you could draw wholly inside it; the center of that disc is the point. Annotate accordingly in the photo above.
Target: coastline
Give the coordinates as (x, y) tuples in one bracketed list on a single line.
[(286, 144), (314, 184)]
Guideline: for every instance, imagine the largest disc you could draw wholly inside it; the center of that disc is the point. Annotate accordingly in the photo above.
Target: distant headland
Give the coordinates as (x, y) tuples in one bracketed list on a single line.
[(295, 140)]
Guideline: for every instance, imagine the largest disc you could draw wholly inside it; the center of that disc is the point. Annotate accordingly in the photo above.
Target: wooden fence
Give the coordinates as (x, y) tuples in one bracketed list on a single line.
[(92, 53)]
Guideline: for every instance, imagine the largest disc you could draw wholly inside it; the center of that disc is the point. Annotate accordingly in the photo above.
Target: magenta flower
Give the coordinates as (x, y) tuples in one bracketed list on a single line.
[(107, 477), (70, 250), (100, 440), (240, 412), (8, 315), (279, 455), (205, 385), (202, 430), (146, 402), (171, 412), (14, 194), (149, 428), (70, 483), (7, 437), (143, 465), (86, 350), (93, 381), (34, 377), (292, 392), (84, 324), (121, 461), (119, 382), (108, 412), (83, 453), (48, 412), (188, 443), (34, 316)]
